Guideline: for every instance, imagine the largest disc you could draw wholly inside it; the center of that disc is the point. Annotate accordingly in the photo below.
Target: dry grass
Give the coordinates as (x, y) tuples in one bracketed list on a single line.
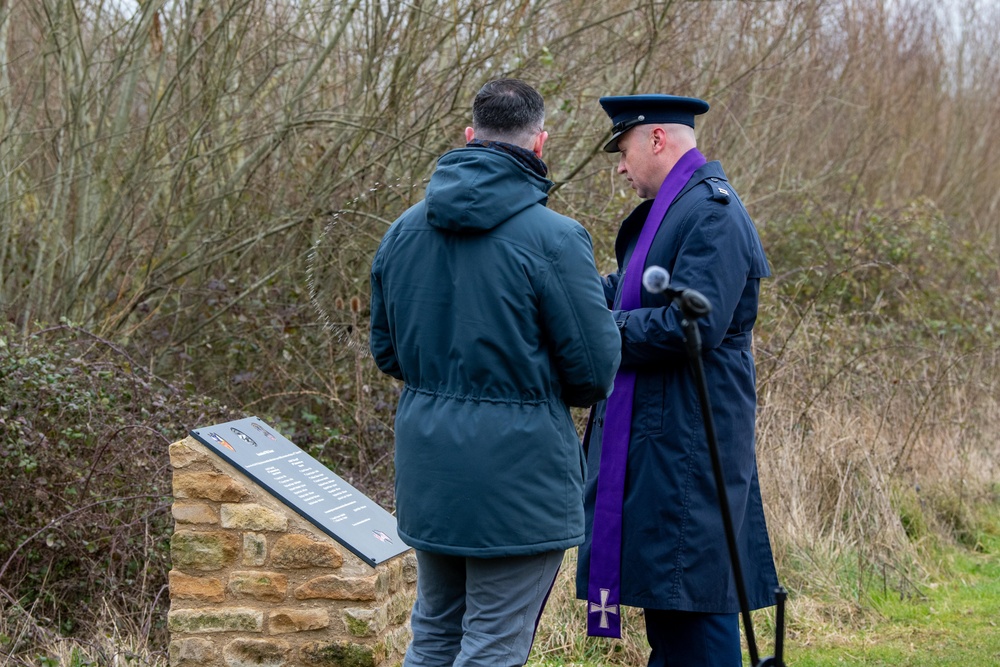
[(27, 641), (562, 631)]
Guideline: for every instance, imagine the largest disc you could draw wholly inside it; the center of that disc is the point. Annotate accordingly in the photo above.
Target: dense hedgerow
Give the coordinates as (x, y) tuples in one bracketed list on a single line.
[(906, 273), (84, 476)]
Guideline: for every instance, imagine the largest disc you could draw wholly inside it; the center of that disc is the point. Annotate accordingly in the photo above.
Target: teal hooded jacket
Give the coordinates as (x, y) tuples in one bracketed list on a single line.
[(489, 308)]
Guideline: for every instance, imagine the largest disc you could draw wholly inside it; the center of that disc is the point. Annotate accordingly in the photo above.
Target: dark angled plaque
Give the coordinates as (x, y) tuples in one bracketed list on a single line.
[(307, 486)]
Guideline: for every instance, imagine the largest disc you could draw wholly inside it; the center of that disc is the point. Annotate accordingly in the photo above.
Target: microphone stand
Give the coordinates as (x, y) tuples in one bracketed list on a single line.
[(694, 305)]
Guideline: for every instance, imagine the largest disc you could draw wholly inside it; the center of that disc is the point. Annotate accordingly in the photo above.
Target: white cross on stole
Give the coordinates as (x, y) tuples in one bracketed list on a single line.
[(604, 608)]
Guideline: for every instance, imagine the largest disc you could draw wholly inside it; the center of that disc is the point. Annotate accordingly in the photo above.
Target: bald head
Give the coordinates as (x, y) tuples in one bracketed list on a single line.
[(680, 136), (648, 152)]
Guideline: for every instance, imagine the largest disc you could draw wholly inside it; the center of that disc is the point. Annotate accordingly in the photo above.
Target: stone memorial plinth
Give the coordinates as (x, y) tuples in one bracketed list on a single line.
[(254, 584)]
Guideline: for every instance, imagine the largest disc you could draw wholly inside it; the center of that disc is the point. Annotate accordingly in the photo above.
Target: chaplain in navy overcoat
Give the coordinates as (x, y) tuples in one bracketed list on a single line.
[(672, 559)]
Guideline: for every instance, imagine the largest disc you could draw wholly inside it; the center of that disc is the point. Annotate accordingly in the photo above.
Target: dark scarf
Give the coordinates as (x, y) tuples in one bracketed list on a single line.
[(522, 155)]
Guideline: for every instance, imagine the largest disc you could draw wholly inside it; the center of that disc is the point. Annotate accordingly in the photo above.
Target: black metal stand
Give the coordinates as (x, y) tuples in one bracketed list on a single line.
[(694, 305)]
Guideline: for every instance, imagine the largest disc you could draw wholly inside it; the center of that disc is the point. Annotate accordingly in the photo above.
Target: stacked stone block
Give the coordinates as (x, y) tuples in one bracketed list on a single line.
[(254, 584)]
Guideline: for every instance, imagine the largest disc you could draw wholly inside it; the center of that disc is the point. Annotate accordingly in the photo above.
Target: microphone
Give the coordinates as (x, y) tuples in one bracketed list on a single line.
[(656, 279)]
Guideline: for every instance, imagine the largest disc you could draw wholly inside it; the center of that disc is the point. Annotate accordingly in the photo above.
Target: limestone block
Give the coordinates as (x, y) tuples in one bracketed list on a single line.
[(355, 567), (204, 589), (264, 586), (203, 550), (187, 512), (333, 587), (398, 639), (209, 486), (395, 568), (341, 654), (382, 579), (399, 607), (230, 619), (192, 652), (362, 622), (300, 551), (390, 644), (182, 455), (281, 621), (251, 516), (410, 567), (254, 549), (256, 653)]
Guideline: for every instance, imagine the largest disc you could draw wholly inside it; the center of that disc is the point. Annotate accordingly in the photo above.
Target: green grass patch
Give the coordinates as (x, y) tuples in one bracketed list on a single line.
[(953, 622)]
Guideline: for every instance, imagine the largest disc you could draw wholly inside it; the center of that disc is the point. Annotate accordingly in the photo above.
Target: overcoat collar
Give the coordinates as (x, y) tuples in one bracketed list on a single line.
[(632, 225)]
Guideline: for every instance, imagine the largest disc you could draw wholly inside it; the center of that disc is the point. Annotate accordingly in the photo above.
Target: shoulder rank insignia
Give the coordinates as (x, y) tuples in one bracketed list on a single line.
[(720, 190)]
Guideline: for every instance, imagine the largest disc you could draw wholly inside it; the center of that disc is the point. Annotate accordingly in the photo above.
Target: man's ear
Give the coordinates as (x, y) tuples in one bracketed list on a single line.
[(470, 134), (539, 142), (659, 138)]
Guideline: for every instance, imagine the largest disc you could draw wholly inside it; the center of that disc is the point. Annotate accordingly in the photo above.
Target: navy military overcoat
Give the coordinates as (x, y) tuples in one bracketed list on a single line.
[(674, 553)]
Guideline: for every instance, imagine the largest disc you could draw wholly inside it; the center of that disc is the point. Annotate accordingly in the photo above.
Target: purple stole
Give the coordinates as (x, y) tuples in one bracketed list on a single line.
[(604, 587)]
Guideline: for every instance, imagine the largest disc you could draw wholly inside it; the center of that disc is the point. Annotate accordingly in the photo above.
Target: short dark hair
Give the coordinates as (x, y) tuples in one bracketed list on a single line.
[(508, 109)]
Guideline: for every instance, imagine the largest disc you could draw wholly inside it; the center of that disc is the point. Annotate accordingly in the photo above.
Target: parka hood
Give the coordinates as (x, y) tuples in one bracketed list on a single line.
[(475, 189)]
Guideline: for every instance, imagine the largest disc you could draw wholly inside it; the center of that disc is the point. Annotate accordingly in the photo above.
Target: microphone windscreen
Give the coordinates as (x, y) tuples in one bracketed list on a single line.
[(655, 279)]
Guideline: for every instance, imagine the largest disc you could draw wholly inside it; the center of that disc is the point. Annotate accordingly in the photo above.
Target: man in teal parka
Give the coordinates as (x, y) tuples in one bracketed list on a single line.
[(660, 544), (489, 308)]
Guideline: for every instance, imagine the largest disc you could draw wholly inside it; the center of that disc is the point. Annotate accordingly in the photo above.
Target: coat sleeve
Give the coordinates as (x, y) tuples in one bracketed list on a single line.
[(583, 338), (610, 285), (714, 258), (381, 337)]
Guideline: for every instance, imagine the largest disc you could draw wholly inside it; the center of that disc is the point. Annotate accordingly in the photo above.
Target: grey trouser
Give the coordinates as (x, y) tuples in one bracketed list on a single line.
[(478, 612)]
